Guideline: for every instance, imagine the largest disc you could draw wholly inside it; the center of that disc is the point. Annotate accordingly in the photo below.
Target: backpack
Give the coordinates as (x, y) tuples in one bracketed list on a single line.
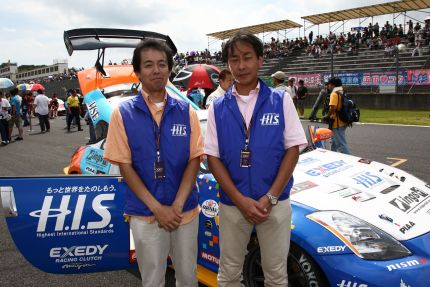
[(348, 113)]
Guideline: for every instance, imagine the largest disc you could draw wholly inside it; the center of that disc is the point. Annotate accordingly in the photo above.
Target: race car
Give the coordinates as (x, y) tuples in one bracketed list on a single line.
[(355, 222)]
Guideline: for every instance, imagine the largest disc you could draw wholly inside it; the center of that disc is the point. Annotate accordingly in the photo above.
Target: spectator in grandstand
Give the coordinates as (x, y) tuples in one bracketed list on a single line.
[(418, 32), (338, 127), (4, 118), (225, 81), (302, 94), (16, 120), (311, 36), (41, 109), (292, 90), (376, 29)]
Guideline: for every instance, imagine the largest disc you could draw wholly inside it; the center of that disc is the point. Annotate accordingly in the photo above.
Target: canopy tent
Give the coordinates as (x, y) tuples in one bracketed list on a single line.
[(368, 11), (256, 29)]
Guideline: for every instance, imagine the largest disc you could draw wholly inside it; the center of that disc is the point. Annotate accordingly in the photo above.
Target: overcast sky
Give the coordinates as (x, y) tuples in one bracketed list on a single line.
[(31, 32)]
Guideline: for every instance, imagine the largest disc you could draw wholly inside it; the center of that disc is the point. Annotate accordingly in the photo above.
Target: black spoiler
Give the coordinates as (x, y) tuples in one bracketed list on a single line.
[(91, 39)]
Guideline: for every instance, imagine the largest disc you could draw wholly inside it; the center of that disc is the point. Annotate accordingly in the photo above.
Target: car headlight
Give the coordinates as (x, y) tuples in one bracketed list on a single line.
[(365, 240)]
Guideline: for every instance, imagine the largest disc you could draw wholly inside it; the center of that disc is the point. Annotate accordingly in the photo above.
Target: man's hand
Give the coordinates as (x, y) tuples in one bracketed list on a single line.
[(253, 211), (168, 217), (265, 202)]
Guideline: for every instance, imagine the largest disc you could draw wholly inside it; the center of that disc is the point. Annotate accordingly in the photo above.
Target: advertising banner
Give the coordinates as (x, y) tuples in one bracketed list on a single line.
[(311, 80), (383, 78), (350, 79), (418, 77)]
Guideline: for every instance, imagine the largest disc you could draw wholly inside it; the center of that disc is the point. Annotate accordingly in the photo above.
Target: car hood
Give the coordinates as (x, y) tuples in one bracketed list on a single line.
[(384, 196)]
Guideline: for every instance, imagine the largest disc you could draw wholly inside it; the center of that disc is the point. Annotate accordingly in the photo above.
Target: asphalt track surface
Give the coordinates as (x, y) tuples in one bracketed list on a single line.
[(49, 153)]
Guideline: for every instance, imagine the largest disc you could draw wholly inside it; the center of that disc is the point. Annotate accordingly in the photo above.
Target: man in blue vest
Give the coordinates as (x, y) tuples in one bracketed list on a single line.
[(156, 141), (253, 157)]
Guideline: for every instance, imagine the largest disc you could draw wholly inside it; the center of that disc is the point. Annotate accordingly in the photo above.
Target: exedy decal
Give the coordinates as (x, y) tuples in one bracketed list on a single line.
[(328, 169)]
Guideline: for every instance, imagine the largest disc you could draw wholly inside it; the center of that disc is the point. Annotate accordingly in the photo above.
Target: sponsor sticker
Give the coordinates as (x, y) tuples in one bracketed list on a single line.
[(367, 180), (208, 224), (210, 208), (346, 192), (362, 197), (331, 249), (406, 264), (364, 160), (410, 201), (407, 227), (77, 254), (63, 215), (307, 160), (389, 219), (328, 169), (303, 186), (209, 257)]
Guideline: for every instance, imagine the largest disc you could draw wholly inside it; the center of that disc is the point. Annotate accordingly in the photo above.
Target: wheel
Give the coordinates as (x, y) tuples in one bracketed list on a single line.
[(302, 270)]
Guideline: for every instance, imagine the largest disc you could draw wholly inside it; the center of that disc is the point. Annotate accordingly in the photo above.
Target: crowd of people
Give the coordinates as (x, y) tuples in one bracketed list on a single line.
[(17, 108)]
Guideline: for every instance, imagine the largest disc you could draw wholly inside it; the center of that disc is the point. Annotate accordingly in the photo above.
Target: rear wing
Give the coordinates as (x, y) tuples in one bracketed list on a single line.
[(102, 38)]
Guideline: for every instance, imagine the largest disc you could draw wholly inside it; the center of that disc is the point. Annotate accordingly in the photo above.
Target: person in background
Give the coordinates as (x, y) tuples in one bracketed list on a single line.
[(16, 120), (4, 118), (278, 79), (74, 110), (338, 127), (41, 109), (197, 97), (25, 108), (292, 90), (53, 106), (302, 94), (225, 81)]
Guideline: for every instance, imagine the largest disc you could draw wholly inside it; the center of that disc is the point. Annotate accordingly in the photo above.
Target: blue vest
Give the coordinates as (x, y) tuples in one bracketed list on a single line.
[(174, 151), (266, 142)]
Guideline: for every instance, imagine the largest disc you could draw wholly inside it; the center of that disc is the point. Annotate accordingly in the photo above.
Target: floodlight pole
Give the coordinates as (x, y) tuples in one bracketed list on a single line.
[(331, 64), (397, 69)]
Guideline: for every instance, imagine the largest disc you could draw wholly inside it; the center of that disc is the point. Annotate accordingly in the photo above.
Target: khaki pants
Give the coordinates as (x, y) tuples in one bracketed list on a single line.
[(274, 239), (154, 244)]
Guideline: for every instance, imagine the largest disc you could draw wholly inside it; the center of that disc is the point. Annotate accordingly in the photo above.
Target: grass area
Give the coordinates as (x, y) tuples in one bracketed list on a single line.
[(390, 116)]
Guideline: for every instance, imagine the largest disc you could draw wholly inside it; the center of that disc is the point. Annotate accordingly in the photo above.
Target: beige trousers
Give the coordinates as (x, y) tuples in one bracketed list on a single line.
[(273, 237), (154, 244)]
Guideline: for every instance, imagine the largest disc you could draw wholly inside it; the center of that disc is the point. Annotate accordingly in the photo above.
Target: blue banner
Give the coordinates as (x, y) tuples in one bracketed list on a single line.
[(350, 79)]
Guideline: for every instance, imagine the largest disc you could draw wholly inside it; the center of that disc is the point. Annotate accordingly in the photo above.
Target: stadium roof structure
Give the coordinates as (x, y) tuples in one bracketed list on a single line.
[(257, 29), (368, 11)]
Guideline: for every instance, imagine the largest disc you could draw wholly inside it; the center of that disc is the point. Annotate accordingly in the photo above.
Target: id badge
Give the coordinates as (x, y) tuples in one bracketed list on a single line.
[(159, 170), (245, 158)]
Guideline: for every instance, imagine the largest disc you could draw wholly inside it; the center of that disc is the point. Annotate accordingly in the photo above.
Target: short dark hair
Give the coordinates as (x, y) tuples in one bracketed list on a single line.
[(39, 91), (301, 82), (14, 91), (223, 74), (151, 44), (335, 81), (246, 37)]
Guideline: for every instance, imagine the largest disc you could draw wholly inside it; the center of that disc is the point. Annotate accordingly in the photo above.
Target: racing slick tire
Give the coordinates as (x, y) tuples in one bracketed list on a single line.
[(302, 270)]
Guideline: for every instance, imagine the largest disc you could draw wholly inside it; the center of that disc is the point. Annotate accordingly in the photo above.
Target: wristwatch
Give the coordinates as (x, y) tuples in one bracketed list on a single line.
[(272, 199)]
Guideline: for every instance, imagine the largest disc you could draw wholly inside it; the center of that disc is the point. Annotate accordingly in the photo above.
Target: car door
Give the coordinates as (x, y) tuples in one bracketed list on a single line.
[(68, 224)]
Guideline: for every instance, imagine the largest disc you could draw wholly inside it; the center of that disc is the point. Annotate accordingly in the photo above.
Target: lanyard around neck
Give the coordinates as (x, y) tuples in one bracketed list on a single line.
[(157, 132)]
